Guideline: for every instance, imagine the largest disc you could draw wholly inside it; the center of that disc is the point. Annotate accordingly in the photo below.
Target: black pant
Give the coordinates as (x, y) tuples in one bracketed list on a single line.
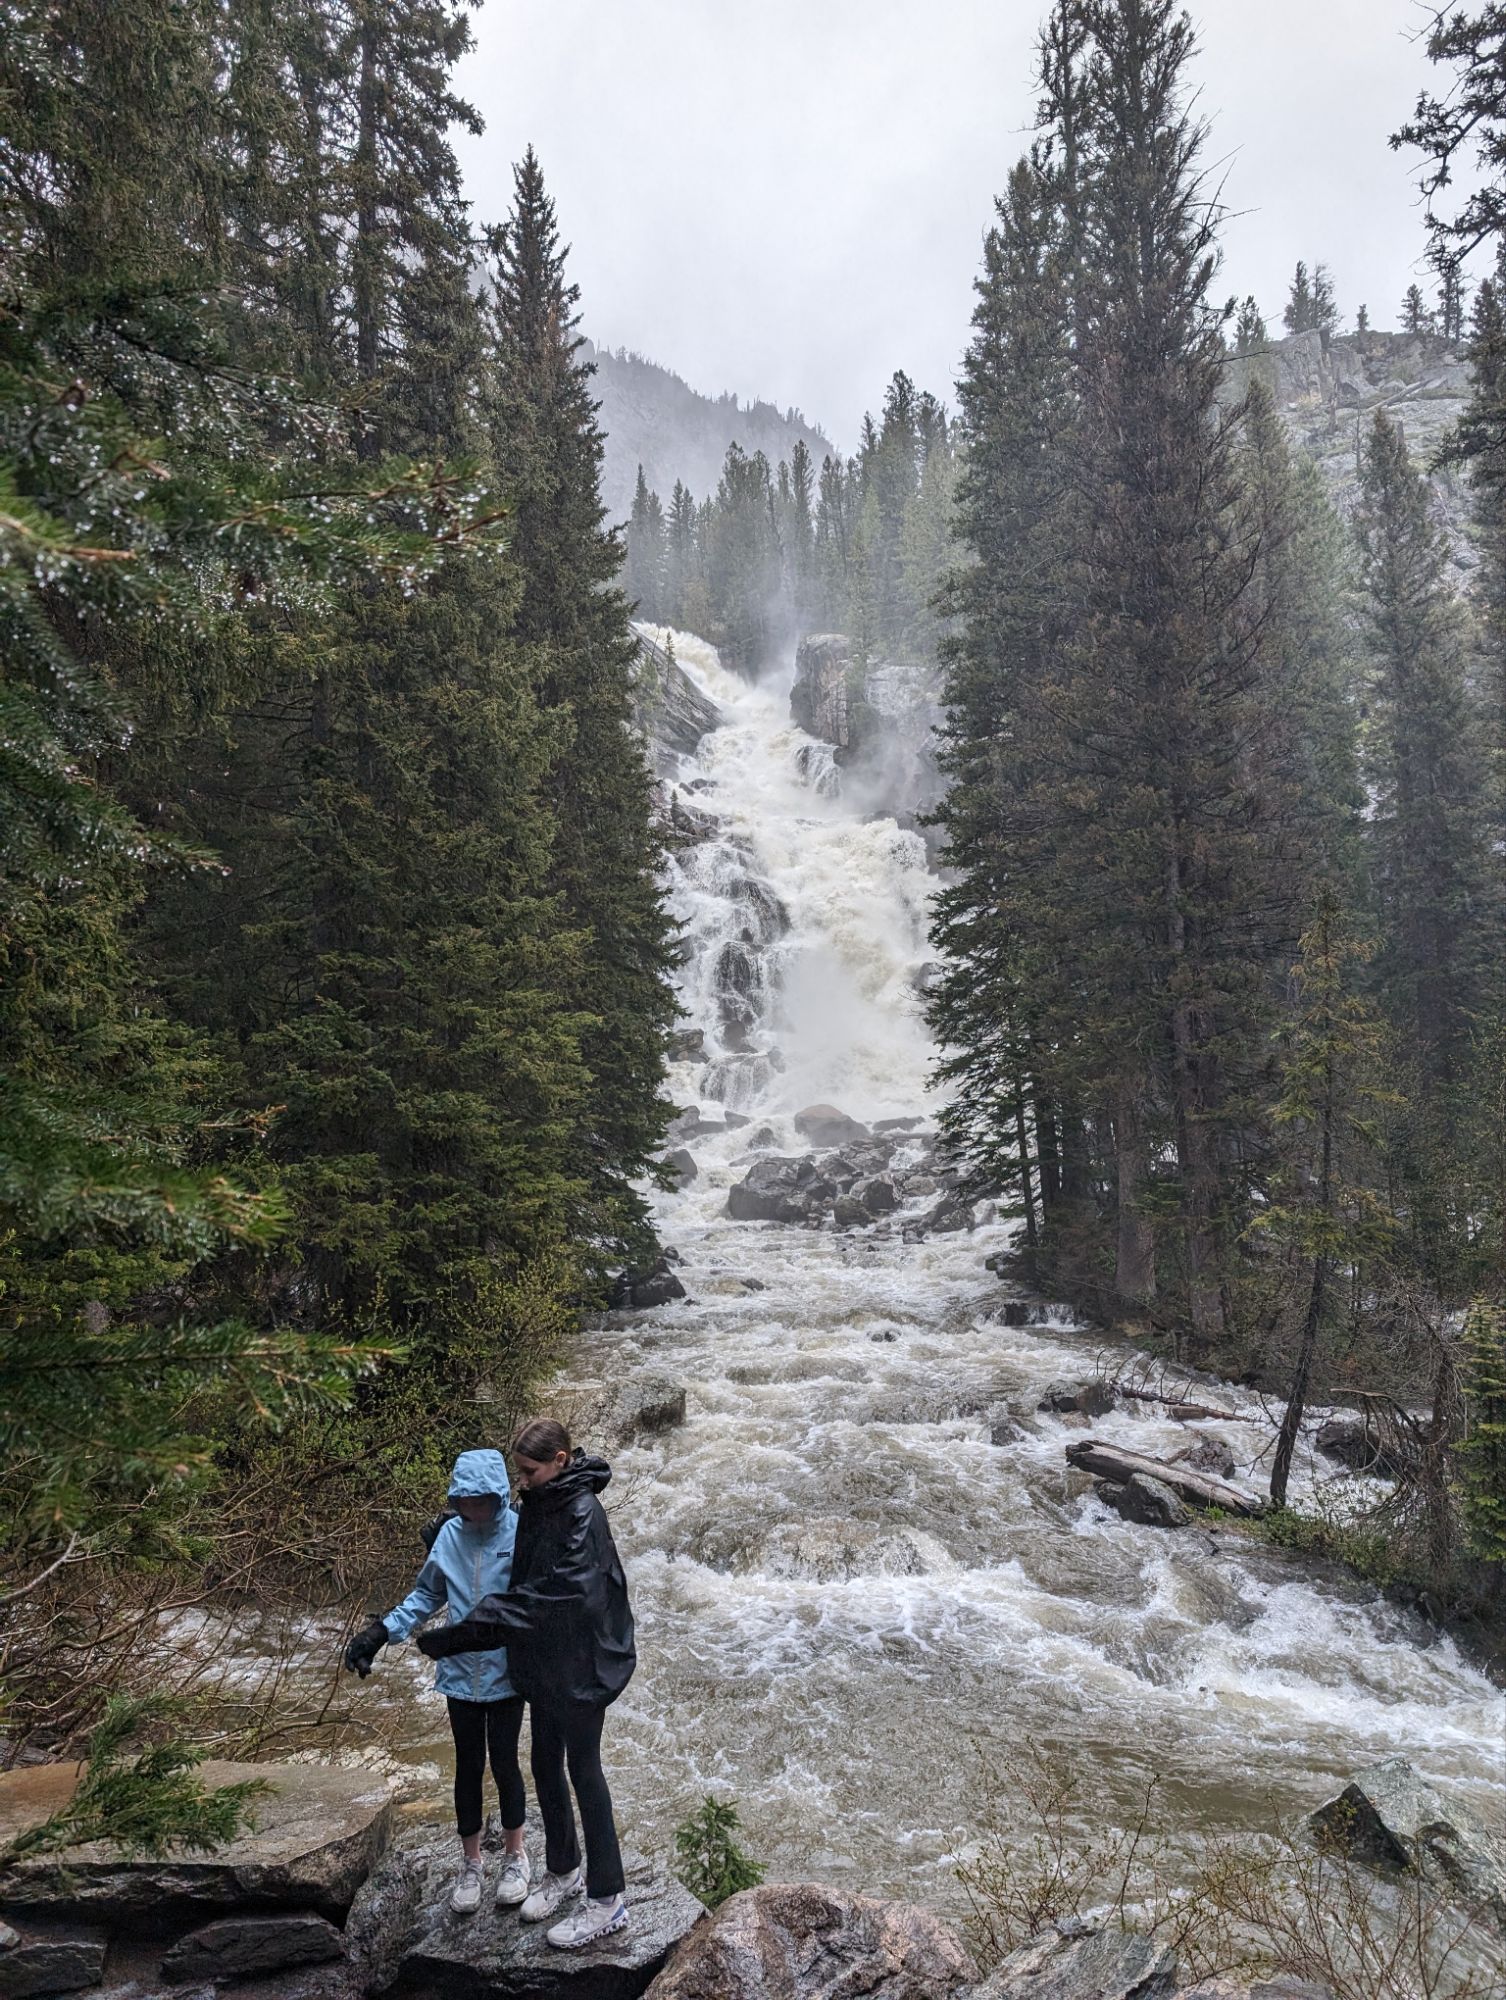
[(572, 1735), (479, 1728)]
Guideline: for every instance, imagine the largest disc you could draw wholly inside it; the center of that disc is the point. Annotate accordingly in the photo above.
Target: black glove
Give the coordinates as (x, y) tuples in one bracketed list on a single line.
[(365, 1646)]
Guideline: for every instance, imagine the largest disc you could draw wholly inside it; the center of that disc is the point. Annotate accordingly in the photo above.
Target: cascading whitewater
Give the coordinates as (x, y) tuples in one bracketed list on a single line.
[(850, 1598)]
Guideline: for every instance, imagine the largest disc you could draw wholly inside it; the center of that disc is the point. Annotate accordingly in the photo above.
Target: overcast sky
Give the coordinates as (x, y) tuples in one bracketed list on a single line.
[(787, 199)]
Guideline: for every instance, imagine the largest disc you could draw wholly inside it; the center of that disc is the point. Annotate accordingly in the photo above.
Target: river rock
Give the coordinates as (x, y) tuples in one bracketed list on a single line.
[(682, 1160), (951, 1214), (773, 1190), (849, 1213), (1090, 1398), (639, 1290), (877, 1196), (409, 1943), (802, 1941), (1390, 1817), (318, 1832), (239, 1947), (687, 1044), (825, 1125), (1352, 1442), (1150, 1502), (1073, 1963), (45, 1960), (1208, 1455)]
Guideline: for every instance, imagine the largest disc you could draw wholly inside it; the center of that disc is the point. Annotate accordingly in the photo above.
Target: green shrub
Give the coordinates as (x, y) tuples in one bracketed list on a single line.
[(711, 1863)]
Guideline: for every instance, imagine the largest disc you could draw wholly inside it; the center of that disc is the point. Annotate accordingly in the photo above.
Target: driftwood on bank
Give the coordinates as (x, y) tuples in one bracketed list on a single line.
[(1199, 1489), (1176, 1406)]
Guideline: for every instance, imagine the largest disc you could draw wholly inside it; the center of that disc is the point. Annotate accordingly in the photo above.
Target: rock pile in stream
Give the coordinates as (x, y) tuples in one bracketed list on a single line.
[(857, 1182)]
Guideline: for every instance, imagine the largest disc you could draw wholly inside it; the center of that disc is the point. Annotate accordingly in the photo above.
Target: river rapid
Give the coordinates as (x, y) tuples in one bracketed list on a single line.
[(851, 1604)]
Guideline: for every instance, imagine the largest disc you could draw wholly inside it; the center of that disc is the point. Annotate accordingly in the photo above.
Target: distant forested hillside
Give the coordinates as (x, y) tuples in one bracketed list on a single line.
[(653, 419)]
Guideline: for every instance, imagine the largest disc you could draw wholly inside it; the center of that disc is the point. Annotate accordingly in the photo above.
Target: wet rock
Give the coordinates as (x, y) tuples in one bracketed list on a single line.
[(47, 1960), (491, 1956), (648, 1405), (687, 1044), (238, 1947), (801, 1941), (1091, 1398), (883, 1333), (877, 1196), (1209, 1455), (683, 1162), (849, 1213), (1392, 1818), (1352, 1442), (950, 1215), (773, 1190), (690, 1124), (668, 708), (836, 1551), (825, 1125), (1146, 1501), (1004, 1427), (318, 1833), (637, 1290), (1075, 1963), (1013, 1312), (818, 697), (897, 1124)]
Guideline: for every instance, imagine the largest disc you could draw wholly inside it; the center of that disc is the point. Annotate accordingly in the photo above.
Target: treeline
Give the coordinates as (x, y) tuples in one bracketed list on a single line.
[(333, 969), (858, 547), (1225, 997)]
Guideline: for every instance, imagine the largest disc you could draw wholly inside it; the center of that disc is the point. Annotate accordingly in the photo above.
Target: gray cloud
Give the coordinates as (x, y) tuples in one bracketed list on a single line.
[(788, 201)]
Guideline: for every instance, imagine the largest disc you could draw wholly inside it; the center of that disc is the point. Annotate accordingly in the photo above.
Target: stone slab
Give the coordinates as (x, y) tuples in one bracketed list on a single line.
[(318, 1833), (242, 1947), (61, 1960)]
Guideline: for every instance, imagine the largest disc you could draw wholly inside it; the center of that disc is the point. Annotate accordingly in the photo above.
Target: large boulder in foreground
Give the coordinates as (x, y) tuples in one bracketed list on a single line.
[(774, 1190), (404, 1940), (1391, 1818), (802, 1941), (318, 1834), (1074, 1962), (243, 1947)]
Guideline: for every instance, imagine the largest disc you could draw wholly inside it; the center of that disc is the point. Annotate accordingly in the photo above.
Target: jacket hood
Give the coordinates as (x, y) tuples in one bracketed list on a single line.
[(478, 1473), (582, 1475)]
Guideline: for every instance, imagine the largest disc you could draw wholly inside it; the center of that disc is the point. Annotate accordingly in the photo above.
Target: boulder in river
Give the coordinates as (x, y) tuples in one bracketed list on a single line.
[(1074, 1962), (682, 1161), (1150, 1502), (638, 1290), (1391, 1817), (804, 1941), (1208, 1455), (825, 1125), (773, 1190), (1353, 1442), (318, 1832), (1091, 1397)]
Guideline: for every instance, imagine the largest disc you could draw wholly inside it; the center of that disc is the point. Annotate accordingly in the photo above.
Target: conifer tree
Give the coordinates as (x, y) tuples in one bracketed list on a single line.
[(1250, 336), (547, 446), (1297, 317), (1362, 320), (1428, 827), (1324, 1211), (1415, 317), (644, 575)]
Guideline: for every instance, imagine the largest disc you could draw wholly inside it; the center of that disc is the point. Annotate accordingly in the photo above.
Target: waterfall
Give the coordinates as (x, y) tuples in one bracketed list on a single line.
[(851, 1599)]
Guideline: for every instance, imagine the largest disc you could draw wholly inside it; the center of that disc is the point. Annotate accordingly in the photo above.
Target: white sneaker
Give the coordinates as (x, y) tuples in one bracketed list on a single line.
[(597, 1917), (551, 1892), (465, 1897), (512, 1887)]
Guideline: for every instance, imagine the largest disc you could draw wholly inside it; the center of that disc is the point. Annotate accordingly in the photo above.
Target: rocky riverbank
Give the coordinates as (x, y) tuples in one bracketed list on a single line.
[(327, 1900)]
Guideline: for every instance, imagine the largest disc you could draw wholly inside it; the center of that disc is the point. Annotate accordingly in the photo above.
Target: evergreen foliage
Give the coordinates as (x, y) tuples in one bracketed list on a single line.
[(1482, 1455), (713, 1863), (1310, 304)]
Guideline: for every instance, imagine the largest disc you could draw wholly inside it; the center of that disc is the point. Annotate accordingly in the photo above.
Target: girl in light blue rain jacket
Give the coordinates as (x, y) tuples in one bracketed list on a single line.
[(471, 1558)]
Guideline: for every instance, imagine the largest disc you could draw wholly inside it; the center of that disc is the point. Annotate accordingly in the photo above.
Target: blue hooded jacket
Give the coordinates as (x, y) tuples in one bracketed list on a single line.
[(468, 1561)]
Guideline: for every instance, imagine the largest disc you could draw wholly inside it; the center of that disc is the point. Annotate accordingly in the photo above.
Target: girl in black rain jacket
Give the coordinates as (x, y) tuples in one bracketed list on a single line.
[(568, 1629)]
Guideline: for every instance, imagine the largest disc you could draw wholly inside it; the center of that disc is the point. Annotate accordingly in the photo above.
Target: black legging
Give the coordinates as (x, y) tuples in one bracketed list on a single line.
[(572, 1735), (481, 1728)]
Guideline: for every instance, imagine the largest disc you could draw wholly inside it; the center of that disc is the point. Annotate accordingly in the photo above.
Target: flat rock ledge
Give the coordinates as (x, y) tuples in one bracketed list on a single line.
[(317, 1836), (404, 1940)]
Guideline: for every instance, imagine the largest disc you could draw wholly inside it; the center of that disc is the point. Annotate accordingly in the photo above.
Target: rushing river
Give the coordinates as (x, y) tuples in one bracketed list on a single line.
[(850, 1602)]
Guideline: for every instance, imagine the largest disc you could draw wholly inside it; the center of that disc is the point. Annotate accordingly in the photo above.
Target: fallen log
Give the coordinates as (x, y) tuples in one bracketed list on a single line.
[(1199, 1489), (1177, 1406)]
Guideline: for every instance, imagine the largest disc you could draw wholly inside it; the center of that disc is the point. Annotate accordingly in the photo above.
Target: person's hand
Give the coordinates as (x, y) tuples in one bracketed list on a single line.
[(365, 1646)]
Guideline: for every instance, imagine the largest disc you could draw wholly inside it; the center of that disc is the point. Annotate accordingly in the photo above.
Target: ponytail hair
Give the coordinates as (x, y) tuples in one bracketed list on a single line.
[(540, 1440)]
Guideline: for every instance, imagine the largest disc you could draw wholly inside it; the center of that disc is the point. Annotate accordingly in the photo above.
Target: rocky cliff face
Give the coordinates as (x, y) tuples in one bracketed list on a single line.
[(1328, 396), (880, 719), (669, 710)]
